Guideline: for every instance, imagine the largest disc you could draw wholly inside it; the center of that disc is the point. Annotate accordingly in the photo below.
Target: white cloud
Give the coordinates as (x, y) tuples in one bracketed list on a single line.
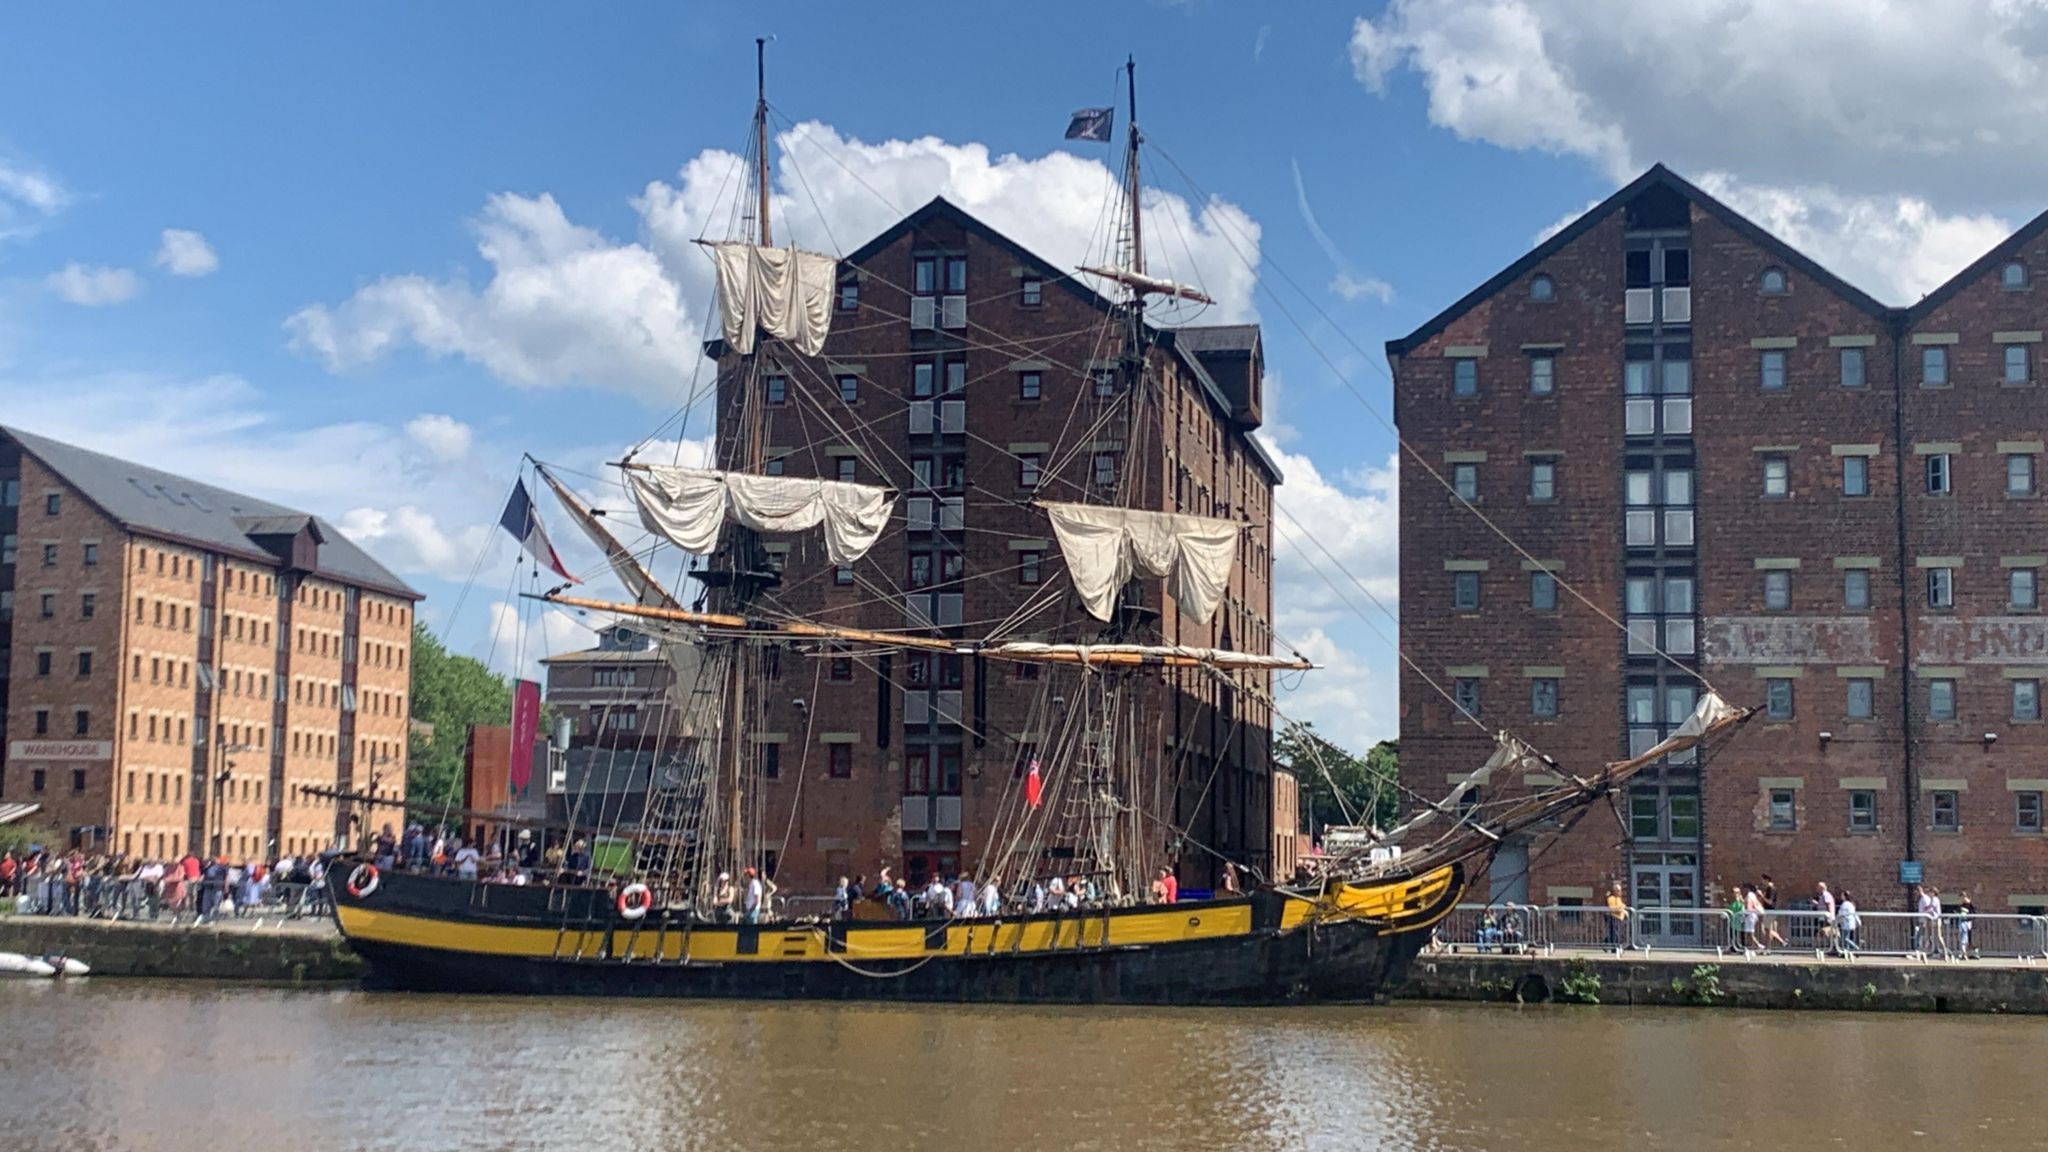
[(565, 305), (1348, 284), (28, 196), (1869, 96), (562, 306), (1259, 44), (443, 437), (94, 287), (1352, 286), (523, 634), (1885, 140), (1345, 534), (186, 253), (409, 539), (1896, 248)]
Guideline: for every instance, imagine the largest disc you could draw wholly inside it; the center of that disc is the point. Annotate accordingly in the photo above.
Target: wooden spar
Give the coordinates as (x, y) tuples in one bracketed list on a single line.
[(751, 624), (1077, 654), (1083, 654), (614, 551), (761, 135)]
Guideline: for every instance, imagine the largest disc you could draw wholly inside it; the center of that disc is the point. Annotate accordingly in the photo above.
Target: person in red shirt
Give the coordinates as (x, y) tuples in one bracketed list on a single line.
[(1168, 886)]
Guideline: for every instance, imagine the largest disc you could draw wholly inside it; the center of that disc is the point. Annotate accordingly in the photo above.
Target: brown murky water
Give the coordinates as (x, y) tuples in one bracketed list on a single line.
[(172, 1067)]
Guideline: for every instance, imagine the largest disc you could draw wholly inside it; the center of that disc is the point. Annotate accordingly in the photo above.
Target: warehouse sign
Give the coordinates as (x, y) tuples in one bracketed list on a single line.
[(61, 750)]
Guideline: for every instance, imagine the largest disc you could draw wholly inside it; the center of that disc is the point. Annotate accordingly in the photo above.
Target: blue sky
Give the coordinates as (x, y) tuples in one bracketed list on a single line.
[(424, 233)]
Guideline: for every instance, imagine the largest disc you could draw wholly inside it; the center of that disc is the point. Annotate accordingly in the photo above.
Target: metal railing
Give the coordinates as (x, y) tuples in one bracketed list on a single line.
[(1525, 928)]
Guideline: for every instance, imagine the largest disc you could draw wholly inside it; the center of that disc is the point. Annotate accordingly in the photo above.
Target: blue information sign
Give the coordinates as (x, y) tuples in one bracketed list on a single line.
[(1909, 872)]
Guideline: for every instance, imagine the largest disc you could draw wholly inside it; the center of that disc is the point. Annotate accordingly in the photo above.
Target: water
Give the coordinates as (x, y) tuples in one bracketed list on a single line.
[(169, 1067)]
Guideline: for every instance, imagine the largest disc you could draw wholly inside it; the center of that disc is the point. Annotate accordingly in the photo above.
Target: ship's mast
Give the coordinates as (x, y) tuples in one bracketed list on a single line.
[(766, 234)]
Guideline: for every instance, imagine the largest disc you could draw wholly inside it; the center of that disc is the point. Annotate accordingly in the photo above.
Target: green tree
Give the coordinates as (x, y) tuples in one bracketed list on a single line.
[(449, 693), (1334, 781)]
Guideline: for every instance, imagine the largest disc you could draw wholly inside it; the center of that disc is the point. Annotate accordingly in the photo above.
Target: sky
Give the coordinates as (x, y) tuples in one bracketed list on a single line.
[(358, 260)]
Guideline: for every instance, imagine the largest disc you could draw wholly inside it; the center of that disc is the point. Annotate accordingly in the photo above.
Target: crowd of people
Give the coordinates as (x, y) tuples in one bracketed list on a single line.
[(45, 882), (960, 897)]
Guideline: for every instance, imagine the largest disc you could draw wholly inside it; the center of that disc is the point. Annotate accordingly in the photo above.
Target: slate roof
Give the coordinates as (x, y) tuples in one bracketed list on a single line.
[(157, 503), (1209, 338), (1657, 176)]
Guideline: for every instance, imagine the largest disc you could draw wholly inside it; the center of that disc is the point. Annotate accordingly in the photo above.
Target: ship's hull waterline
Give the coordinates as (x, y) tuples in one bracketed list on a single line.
[(445, 936)]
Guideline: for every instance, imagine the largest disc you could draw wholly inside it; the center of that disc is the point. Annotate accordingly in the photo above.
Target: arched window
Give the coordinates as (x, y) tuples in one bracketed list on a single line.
[(1542, 288), (1773, 282), (2013, 277)]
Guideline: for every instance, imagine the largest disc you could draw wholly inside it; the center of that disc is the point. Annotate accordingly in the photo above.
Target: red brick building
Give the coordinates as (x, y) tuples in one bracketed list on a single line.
[(1824, 506), (972, 376), (177, 661)]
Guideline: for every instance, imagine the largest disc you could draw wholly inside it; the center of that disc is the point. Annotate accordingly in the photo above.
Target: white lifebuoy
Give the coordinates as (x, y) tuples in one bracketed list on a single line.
[(363, 881), (634, 901)]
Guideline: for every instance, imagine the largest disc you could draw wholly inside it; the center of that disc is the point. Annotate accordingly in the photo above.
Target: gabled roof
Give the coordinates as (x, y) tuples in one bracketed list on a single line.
[(1228, 334), (2000, 252), (157, 503), (1208, 339), (1657, 176)]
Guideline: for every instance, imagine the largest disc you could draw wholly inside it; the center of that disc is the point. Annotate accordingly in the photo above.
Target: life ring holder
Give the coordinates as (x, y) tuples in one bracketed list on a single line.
[(363, 881), (634, 901)]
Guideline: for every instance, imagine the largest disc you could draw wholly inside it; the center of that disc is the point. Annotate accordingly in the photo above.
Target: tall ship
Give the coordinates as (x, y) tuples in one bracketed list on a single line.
[(1130, 602)]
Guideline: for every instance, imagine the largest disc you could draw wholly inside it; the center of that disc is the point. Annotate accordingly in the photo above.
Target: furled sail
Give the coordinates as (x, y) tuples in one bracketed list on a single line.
[(1141, 283), (1104, 547), (634, 575), (689, 505), (1169, 655), (786, 292)]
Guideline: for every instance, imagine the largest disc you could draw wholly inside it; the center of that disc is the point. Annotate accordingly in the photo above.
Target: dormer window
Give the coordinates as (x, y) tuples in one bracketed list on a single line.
[(1542, 288), (2013, 277), (1772, 283)]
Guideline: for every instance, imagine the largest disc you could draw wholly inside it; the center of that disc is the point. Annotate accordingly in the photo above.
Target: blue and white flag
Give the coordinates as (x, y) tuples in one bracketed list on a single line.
[(1091, 124), (523, 522)]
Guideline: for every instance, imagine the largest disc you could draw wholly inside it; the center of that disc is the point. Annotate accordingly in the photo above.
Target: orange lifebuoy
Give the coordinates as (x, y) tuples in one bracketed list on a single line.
[(634, 901), (363, 881)]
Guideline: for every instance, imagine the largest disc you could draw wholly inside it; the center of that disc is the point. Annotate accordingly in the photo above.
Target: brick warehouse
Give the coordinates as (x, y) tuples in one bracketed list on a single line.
[(141, 613), (971, 375), (1827, 506)]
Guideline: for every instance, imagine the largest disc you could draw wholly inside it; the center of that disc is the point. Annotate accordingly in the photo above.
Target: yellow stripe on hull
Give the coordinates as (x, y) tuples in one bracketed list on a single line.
[(719, 943)]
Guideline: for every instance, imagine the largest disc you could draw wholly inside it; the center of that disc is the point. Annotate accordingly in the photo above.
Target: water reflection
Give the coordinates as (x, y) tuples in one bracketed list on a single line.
[(173, 1067)]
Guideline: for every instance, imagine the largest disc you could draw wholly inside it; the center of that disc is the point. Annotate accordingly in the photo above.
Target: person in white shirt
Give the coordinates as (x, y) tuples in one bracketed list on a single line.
[(466, 858), (991, 897), (963, 895), (938, 899)]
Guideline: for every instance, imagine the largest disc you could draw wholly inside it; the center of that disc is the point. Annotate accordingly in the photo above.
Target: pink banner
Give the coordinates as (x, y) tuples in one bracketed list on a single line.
[(525, 730)]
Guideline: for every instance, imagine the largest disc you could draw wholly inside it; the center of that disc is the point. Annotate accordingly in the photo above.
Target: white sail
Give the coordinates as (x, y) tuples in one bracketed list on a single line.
[(1220, 658), (690, 505), (1139, 282), (786, 292), (633, 574), (1104, 547)]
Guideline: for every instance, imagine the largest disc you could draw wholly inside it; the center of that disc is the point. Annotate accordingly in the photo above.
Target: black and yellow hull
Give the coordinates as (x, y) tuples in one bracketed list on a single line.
[(1353, 944)]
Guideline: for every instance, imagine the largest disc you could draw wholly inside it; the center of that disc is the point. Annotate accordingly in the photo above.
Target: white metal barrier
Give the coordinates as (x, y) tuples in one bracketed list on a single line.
[(1525, 928)]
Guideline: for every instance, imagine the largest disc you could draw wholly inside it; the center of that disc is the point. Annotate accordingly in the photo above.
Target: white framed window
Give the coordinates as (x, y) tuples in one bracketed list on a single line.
[(2021, 591), (1465, 481), (1940, 476), (1855, 475), (1944, 810), (1862, 702), (1772, 370), (1778, 698), (1777, 477), (2026, 700), (1852, 368), (1941, 587), (1465, 376), (1543, 480), (1778, 590), (1542, 375), (1856, 589), (1941, 699), (1934, 366)]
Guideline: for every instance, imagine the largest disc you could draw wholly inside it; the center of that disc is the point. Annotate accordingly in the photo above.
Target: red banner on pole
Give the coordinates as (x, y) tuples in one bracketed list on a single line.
[(525, 730), (1034, 794)]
